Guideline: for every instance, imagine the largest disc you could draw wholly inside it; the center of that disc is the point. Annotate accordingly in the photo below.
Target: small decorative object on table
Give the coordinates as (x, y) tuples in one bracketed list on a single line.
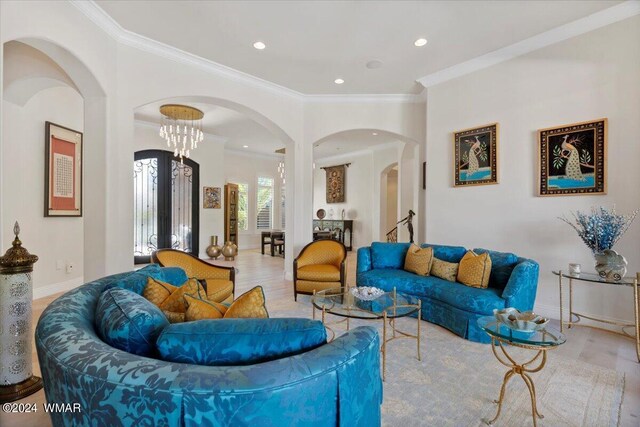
[(526, 321), (229, 251), (213, 250), (367, 293), (574, 269), (321, 213), (600, 230)]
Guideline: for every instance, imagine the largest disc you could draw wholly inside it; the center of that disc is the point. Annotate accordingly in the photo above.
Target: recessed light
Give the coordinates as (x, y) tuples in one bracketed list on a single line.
[(375, 134), (245, 146), (338, 81), (259, 45), (420, 42)]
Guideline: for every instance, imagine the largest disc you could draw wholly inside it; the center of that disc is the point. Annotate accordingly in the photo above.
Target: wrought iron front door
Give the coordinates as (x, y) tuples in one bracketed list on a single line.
[(166, 201)]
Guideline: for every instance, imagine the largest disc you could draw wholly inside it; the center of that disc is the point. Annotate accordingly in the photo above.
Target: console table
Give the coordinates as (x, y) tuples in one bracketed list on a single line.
[(594, 278), (342, 228)]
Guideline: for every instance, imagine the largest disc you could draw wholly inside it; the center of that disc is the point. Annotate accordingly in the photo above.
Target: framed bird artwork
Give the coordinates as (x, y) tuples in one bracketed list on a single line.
[(476, 156), (572, 159)]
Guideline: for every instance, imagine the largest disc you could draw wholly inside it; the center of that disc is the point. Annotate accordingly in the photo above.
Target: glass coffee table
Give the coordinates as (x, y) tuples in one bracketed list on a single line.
[(541, 341), (387, 307)]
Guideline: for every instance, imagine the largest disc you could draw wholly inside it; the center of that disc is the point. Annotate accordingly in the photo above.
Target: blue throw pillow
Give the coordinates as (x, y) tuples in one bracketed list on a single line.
[(388, 255), (137, 280), (502, 265), (174, 276), (129, 322), (227, 342), (447, 253)]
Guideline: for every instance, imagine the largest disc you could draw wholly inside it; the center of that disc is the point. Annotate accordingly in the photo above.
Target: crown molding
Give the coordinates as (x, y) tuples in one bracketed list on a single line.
[(584, 25), (109, 25), (364, 98)]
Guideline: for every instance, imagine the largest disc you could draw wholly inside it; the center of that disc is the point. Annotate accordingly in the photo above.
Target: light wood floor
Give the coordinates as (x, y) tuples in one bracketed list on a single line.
[(585, 344)]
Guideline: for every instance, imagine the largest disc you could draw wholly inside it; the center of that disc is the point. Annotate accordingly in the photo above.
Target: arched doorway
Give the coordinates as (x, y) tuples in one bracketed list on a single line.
[(388, 199)]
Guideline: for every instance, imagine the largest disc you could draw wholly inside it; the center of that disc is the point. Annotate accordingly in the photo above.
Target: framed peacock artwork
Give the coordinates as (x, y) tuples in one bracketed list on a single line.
[(476, 156), (572, 159)]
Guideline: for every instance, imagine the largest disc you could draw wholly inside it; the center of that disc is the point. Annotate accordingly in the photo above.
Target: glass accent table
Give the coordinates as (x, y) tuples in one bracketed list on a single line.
[(575, 317), (389, 306), (540, 341)]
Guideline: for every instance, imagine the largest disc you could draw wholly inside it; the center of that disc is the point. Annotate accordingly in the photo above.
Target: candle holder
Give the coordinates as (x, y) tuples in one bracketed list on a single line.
[(16, 295)]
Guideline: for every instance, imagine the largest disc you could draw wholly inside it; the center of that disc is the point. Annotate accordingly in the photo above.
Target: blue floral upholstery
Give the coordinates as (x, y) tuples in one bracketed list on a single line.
[(227, 342), (336, 384), (454, 305), (502, 264), (447, 253), (388, 255), (137, 280), (129, 322)]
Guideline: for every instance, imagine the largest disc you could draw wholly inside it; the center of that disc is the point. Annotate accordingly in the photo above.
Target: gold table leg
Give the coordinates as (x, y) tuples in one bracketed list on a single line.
[(570, 304), (523, 370), (384, 342), (636, 302), (560, 286)]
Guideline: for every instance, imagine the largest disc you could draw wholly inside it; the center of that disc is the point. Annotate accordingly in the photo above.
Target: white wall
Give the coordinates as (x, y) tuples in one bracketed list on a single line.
[(588, 77), (363, 190), (391, 200), (245, 168), (56, 241)]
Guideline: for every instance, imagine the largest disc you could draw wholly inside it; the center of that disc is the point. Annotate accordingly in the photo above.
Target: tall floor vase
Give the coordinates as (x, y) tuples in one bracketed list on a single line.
[(16, 295)]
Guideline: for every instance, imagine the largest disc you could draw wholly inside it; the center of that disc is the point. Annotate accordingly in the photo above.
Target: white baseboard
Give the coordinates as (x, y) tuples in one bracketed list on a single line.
[(54, 288), (553, 312)]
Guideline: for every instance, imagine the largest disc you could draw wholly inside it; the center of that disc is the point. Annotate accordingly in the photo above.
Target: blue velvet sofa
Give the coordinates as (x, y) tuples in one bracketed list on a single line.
[(336, 384), (512, 283)]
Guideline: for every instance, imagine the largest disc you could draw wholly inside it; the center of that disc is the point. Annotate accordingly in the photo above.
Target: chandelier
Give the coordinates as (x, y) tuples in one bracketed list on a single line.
[(181, 128)]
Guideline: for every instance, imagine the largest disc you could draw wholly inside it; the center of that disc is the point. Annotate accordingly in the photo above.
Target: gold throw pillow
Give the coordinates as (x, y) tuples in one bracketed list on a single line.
[(444, 270), (475, 270), (175, 302), (418, 260), (198, 309), (157, 291), (251, 304)]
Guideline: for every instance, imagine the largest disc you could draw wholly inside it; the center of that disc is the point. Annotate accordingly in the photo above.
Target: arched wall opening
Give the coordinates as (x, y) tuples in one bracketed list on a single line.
[(43, 81), (220, 165), (372, 154)]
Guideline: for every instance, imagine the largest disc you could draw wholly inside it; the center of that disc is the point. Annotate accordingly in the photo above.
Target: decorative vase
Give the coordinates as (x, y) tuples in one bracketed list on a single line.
[(213, 250), (611, 265), (229, 251)]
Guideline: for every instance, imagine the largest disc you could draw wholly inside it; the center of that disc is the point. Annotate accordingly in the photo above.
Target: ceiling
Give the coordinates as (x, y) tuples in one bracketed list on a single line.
[(310, 44), (350, 141), (235, 128)]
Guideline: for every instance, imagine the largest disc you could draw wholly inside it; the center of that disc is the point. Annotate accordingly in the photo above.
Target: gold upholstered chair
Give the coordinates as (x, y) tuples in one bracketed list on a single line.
[(220, 281), (320, 265)]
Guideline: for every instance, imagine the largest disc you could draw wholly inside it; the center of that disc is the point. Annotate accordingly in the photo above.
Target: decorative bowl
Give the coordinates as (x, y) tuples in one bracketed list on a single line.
[(526, 321), (321, 213), (367, 293)]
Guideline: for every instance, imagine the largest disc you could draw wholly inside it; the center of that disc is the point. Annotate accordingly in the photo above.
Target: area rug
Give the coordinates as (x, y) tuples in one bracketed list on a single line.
[(456, 382)]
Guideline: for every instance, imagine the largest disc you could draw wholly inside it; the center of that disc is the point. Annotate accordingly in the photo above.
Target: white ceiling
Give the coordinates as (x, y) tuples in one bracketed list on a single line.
[(310, 44), (235, 128), (350, 141)]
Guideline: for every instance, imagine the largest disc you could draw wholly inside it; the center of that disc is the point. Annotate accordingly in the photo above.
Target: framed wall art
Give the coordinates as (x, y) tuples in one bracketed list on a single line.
[(211, 198), (476, 156), (572, 159), (336, 178), (62, 171)]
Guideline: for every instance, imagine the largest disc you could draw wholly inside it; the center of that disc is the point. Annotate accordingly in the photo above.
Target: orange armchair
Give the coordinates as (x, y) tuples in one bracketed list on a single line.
[(320, 265), (220, 280)]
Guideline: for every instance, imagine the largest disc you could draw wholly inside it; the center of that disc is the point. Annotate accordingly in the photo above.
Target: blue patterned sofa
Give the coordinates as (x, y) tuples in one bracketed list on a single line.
[(513, 283), (336, 384)]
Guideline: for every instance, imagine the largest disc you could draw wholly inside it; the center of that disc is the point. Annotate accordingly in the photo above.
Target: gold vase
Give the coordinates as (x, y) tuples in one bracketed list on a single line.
[(229, 251), (213, 250)]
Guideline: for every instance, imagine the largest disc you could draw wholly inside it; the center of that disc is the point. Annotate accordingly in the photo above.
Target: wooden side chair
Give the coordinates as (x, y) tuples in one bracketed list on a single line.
[(320, 265)]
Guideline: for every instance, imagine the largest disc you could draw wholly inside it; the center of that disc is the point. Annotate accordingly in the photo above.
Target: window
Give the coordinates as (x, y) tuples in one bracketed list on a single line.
[(264, 205), (165, 209), (243, 207), (282, 207)]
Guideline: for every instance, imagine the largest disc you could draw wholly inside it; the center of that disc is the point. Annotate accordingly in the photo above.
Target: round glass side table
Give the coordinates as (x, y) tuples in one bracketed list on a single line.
[(540, 341)]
